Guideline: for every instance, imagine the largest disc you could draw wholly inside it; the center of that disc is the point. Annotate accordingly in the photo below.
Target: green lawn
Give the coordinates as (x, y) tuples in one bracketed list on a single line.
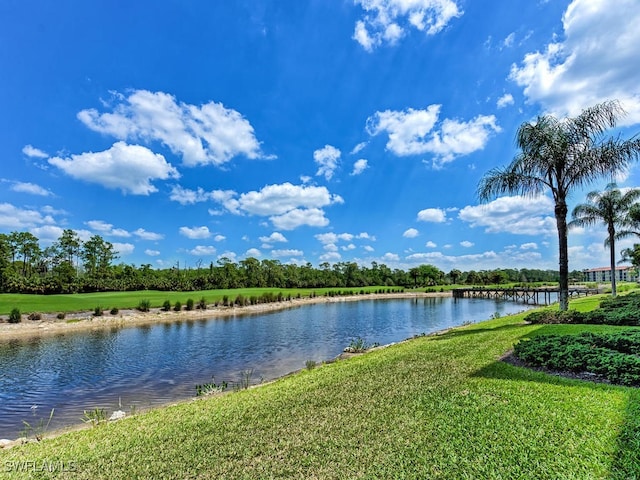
[(88, 301), (433, 407)]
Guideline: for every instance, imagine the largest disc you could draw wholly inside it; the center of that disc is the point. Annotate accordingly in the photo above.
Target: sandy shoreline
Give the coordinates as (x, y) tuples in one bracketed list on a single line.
[(85, 321)]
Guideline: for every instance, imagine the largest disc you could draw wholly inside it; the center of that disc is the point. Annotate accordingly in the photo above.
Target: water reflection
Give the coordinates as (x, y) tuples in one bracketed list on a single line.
[(153, 365)]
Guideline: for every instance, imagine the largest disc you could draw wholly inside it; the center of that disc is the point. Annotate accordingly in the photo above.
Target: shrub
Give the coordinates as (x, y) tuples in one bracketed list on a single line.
[(15, 316), (144, 305), (189, 305), (35, 316), (114, 311), (615, 356), (310, 364), (202, 304), (177, 307), (97, 311), (555, 316), (61, 316), (166, 306)]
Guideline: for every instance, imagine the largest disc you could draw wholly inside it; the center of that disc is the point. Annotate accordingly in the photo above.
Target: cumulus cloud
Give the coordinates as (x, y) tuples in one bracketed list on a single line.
[(15, 218), (123, 249), (430, 244), (517, 215), (30, 188), (144, 235), (195, 232), (208, 134), (411, 233), (467, 244), (360, 166), (186, 196), (327, 159), (505, 100), (386, 21), (275, 237), (203, 250), (414, 132), (287, 206), (287, 253), (151, 253), (130, 168), (434, 215), (34, 152), (106, 228), (595, 60), (253, 253)]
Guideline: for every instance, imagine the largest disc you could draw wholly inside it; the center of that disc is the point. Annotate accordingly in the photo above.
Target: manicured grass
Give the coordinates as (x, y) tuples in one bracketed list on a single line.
[(123, 300), (433, 407)]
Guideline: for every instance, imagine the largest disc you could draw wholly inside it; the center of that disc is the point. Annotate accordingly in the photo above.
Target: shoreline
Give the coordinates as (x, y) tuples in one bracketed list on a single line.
[(86, 321)]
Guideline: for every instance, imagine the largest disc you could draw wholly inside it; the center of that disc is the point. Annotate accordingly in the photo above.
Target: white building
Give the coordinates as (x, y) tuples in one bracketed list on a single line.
[(603, 274)]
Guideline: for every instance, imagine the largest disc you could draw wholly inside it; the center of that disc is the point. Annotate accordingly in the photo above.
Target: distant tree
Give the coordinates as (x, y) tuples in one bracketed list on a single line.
[(610, 207), (561, 155)]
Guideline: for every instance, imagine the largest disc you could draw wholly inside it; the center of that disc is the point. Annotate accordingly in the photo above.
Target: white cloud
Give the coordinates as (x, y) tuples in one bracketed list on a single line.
[(287, 206), (517, 215), (358, 148), (360, 166), (144, 235), (332, 238), (529, 246), (152, 253), (411, 233), (435, 215), (346, 248), (275, 237), (253, 253), (185, 196), (106, 228), (287, 253), (368, 248), (386, 21), (219, 238), (203, 250), (15, 218), (327, 159), (195, 232), (391, 257), (312, 217), (130, 168), (505, 100), (467, 244), (430, 244), (31, 188), (330, 257), (34, 152), (595, 60), (202, 135), (123, 249), (508, 41), (413, 132)]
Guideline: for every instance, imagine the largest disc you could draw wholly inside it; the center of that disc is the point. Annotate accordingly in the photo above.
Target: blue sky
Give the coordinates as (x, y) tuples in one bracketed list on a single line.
[(304, 131)]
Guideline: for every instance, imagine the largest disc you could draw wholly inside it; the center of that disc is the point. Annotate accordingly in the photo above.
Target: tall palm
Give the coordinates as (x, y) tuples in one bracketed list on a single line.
[(561, 155), (610, 207)]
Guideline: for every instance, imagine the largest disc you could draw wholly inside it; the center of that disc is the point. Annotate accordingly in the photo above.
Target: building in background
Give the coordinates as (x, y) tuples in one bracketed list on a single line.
[(603, 274)]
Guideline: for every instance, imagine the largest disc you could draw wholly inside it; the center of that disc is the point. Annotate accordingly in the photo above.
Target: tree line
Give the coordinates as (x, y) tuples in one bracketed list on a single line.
[(70, 265)]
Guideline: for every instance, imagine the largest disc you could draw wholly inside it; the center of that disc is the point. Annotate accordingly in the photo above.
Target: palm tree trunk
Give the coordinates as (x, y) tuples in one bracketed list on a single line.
[(612, 253), (561, 222)]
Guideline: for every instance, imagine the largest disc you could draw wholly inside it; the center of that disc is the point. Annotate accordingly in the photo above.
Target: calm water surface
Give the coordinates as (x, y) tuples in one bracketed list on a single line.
[(140, 367)]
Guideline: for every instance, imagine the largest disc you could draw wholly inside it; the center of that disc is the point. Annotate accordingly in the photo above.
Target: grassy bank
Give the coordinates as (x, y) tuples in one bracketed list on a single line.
[(122, 300), (433, 407)]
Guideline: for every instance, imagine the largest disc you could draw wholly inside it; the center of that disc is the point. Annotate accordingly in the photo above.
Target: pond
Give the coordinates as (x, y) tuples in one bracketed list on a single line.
[(135, 368)]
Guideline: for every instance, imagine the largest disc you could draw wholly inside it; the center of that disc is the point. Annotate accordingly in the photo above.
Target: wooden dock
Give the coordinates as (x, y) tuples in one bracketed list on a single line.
[(536, 296)]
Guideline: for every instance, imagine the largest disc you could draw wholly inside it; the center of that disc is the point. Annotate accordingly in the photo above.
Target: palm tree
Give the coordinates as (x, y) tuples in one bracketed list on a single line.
[(561, 155), (610, 207)]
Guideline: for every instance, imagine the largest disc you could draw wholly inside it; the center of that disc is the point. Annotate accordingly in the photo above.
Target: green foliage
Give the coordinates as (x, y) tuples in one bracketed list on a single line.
[(210, 388), (202, 304), (177, 306), (613, 356), (97, 311), (144, 305), (114, 311), (94, 417), (310, 364), (35, 316), (359, 345), (39, 429), (189, 305), (61, 316), (623, 310), (166, 306), (15, 316)]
